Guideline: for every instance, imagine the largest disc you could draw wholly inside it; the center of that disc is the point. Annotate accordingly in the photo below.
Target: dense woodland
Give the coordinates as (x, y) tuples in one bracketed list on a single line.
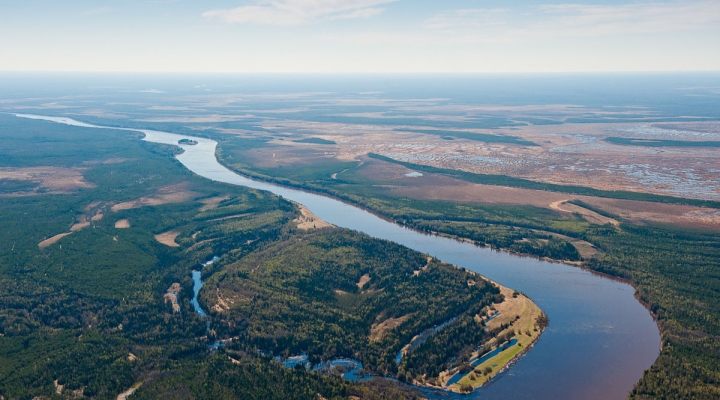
[(676, 271), (88, 313), (301, 295)]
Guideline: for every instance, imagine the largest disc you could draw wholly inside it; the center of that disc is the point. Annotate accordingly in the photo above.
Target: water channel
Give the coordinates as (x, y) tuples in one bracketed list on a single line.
[(600, 338)]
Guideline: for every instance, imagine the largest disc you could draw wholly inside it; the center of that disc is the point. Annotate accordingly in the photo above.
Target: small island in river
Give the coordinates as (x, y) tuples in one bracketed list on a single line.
[(187, 142)]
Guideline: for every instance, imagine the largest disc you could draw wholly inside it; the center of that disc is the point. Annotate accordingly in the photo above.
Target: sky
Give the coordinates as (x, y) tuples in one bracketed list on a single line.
[(359, 36)]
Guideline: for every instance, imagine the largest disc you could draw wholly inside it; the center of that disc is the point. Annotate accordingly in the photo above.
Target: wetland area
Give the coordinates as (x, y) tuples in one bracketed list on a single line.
[(600, 338)]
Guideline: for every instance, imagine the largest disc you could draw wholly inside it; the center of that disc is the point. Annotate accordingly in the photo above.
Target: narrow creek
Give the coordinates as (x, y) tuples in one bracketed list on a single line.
[(197, 285), (600, 338)]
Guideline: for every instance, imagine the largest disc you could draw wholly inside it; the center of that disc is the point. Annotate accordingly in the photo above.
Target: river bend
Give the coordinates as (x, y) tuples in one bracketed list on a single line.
[(600, 338)]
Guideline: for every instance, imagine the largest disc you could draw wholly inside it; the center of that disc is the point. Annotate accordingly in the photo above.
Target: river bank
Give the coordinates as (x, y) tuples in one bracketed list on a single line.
[(596, 322), (525, 323)]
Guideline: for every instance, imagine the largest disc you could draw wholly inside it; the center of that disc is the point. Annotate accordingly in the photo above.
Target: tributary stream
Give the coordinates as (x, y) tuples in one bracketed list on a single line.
[(600, 338)]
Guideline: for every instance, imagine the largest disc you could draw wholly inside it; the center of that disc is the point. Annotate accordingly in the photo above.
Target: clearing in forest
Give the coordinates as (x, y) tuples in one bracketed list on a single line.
[(307, 220), (590, 216), (168, 194), (168, 238)]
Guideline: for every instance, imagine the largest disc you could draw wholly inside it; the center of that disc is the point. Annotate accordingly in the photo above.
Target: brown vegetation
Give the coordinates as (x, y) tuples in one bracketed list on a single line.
[(379, 330), (590, 216), (363, 281), (307, 220), (168, 194), (443, 188), (47, 242), (52, 179), (172, 296), (212, 203), (80, 225), (168, 238)]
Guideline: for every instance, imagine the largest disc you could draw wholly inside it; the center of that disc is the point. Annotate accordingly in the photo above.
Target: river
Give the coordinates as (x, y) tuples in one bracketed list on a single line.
[(600, 338)]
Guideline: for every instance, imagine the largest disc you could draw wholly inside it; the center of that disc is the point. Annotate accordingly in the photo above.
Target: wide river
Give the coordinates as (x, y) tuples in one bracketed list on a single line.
[(600, 338)]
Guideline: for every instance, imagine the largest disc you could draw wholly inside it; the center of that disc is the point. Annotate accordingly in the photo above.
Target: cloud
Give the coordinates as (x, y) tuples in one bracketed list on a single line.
[(98, 11), (481, 17), (296, 12), (573, 20), (633, 18)]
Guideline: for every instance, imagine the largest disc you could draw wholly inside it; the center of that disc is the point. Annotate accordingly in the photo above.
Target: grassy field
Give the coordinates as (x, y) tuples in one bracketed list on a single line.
[(674, 268), (503, 180), (522, 317), (89, 312)]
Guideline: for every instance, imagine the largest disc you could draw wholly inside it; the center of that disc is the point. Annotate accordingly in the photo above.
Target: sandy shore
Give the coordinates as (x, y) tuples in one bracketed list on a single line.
[(307, 220), (522, 315)]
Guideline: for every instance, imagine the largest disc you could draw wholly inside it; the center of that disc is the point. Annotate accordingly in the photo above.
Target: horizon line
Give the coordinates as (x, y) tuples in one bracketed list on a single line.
[(360, 73)]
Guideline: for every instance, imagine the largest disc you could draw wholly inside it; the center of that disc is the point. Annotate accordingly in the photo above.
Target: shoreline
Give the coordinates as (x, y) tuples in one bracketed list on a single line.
[(456, 387), (442, 251), (281, 182), (521, 313)]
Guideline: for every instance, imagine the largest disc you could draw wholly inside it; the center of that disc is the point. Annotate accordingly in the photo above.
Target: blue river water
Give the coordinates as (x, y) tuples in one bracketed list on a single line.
[(477, 361), (600, 338), (197, 285)]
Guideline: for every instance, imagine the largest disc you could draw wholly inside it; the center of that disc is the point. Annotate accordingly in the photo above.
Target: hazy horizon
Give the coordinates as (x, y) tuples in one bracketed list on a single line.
[(360, 36)]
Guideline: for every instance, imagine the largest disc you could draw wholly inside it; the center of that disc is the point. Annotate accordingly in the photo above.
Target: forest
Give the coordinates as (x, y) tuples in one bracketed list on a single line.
[(674, 269), (85, 269), (661, 142), (307, 295)]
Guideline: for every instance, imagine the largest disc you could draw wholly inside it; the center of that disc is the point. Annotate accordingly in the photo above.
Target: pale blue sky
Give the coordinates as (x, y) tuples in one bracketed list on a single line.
[(359, 35)]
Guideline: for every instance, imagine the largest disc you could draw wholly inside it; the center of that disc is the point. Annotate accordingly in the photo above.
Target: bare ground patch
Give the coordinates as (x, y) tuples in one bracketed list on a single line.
[(124, 395), (168, 194), (58, 387), (98, 216), (586, 249), (363, 281), (92, 212), (222, 306), (378, 331), (307, 220), (416, 273), (230, 217), (589, 215), (47, 242), (212, 203), (512, 307), (168, 238), (108, 161), (80, 225), (122, 224), (83, 221), (50, 179), (172, 296), (641, 212)]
